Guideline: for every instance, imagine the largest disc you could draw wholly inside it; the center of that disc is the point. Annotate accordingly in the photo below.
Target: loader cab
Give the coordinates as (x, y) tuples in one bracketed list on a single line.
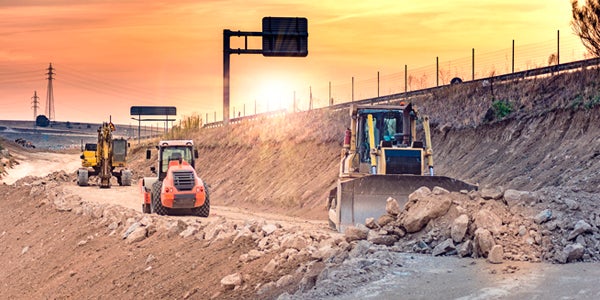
[(173, 151)]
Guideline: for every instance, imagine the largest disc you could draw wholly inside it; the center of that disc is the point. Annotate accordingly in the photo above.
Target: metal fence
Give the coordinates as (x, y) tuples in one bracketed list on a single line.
[(545, 58)]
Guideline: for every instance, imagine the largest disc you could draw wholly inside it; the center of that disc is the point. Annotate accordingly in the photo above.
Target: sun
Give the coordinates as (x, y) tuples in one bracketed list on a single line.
[(274, 94)]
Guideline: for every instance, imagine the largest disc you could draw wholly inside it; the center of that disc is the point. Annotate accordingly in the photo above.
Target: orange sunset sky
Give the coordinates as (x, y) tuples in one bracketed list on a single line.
[(110, 55)]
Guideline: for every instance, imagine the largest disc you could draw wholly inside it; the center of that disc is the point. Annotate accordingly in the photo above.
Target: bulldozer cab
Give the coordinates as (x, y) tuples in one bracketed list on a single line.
[(387, 130)]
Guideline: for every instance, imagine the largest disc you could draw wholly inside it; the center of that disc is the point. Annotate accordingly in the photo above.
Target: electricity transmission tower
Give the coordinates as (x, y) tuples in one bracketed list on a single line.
[(35, 104), (50, 95)]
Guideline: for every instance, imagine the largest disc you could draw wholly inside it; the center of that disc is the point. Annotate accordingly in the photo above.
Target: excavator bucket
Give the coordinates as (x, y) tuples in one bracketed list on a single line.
[(354, 200)]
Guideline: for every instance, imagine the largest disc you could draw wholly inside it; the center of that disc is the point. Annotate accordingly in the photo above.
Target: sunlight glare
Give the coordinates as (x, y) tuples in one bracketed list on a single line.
[(274, 94)]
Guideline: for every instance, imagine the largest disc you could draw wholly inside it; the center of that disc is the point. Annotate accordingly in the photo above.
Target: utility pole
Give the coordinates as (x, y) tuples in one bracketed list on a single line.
[(294, 105), (35, 106), (50, 95)]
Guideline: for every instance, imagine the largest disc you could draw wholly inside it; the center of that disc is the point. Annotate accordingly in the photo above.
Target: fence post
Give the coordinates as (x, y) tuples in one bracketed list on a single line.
[(405, 79), (473, 64), (513, 56), (330, 99), (558, 47), (437, 71), (352, 88)]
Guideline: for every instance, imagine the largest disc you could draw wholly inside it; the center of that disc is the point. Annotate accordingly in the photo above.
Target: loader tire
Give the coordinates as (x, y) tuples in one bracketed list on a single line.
[(146, 208), (156, 206), (82, 177), (204, 210), (126, 178)]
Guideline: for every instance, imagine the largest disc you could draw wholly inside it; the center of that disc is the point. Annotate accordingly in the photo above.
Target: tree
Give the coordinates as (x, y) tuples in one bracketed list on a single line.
[(586, 24)]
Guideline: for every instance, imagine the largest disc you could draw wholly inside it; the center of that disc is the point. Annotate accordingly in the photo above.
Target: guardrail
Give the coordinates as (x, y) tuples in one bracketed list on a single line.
[(495, 79), (270, 114)]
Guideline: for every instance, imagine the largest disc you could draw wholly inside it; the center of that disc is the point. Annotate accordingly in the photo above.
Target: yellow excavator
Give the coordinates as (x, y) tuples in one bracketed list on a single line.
[(382, 158), (105, 159)]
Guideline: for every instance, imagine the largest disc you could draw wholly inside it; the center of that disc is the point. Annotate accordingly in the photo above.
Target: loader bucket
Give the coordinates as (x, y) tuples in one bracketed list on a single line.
[(354, 200)]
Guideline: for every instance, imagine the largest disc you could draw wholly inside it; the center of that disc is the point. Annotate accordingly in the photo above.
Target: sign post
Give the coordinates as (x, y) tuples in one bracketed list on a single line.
[(281, 36), (140, 111)]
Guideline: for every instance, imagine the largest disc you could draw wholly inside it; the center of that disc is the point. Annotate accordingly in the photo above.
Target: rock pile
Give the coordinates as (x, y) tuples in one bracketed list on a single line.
[(491, 223)]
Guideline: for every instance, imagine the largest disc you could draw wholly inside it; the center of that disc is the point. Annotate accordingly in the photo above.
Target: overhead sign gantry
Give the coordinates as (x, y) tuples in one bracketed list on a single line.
[(140, 111), (281, 36)]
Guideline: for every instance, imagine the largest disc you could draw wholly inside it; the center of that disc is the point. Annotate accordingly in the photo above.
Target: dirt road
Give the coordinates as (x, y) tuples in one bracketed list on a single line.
[(40, 164), (129, 197)]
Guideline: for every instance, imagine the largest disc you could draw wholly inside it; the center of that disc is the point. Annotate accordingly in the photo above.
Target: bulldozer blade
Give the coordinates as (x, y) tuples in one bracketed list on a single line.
[(366, 197)]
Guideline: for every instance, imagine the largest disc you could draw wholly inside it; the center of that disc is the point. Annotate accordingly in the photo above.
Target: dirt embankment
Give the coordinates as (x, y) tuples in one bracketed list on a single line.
[(281, 165), (558, 148), (288, 163)]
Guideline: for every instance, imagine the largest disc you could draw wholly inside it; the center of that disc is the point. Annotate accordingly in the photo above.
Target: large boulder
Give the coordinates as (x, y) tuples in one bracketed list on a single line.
[(483, 242), (486, 219), (465, 249), (422, 206), (491, 194), (543, 217), (356, 233), (513, 196), (580, 227), (381, 239), (496, 255), (572, 252), (392, 207), (229, 282), (444, 247), (459, 228)]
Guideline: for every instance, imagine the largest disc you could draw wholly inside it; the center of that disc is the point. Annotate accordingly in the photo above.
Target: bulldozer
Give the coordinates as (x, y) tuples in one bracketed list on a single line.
[(105, 159), (381, 158), (176, 187)]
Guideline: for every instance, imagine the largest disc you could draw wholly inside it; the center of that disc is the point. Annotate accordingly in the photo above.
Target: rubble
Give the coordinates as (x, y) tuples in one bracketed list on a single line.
[(232, 281), (517, 225)]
